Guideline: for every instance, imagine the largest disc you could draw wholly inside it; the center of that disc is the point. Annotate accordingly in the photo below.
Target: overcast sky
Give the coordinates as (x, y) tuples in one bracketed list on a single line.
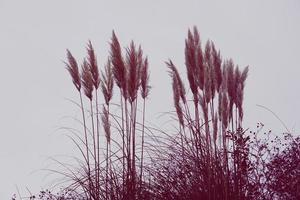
[(34, 84)]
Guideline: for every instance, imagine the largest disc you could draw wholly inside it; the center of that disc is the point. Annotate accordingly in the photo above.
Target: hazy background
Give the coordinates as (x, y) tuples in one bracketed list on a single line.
[(34, 84)]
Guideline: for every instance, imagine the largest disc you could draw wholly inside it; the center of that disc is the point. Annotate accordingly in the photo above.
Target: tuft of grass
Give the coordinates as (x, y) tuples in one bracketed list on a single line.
[(208, 155)]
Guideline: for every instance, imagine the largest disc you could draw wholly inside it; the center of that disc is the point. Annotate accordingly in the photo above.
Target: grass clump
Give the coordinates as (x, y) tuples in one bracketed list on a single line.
[(208, 155)]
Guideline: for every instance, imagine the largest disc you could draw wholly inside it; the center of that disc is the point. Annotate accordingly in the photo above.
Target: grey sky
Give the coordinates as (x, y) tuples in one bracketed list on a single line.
[(34, 84)]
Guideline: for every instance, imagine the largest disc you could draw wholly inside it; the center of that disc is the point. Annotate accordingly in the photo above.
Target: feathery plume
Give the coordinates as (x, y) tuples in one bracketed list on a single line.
[(106, 123), (240, 92), (92, 62), (178, 91), (145, 88), (217, 63), (239, 101), (199, 61), (87, 80), (210, 78), (244, 76), (230, 85), (179, 84), (200, 67), (237, 82), (190, 61), (208, 84), (119, 69), (196, 36), (176, 97), (223, 87), (72, 67), (133, 62), (107, 82)]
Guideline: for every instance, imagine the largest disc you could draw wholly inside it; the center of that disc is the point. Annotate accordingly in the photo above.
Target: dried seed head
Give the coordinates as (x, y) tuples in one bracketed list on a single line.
[(133, 62), (92, 62), (107, 82), (208, 84), (191, 44), (179, 84), (230, 85), (178, 91), (239, 101), (119, 69), (240, 92), (196, 36), (106, 124), (244, 76), (210, 76), (237, 78), (217, 62), (223, 87), (207, 53), (176, 97), (200, 67), (194, 61), (87, 80), (145, 88), (230, 78), (72, 67)]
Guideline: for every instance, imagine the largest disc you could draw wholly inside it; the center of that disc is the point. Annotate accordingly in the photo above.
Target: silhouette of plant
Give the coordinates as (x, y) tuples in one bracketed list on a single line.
[(208, 155)]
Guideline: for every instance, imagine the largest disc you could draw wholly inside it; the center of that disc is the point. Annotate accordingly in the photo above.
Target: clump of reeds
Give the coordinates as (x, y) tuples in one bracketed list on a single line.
[(209, 156), (212, 162), (102, 177), (213, 145)]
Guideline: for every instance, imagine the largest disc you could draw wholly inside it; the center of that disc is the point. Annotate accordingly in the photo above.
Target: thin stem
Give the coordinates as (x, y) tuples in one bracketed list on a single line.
[(133, 147), (98, 147), (86, 142), (94, 142), (123, 140), (143, 132), (128, 147)]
